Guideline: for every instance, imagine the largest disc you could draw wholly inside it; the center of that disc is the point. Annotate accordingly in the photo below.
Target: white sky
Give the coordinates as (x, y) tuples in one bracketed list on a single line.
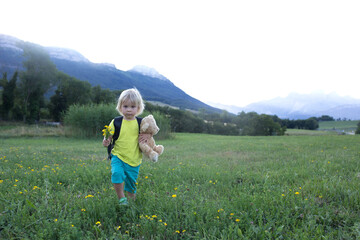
[(229, 52)]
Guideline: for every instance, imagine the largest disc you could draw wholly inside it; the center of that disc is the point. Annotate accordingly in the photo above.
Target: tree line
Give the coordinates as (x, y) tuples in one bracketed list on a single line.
[(40, 91)]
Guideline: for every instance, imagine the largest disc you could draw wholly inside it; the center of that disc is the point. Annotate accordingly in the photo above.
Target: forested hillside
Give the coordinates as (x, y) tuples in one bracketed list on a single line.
[(104, 75)]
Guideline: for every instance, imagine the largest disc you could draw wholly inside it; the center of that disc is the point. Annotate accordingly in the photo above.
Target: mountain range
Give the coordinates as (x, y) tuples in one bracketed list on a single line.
[(303, 106), (157, 88), (152, 85)]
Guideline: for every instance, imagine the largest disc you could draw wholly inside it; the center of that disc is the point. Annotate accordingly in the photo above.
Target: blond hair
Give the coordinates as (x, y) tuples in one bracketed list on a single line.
[(134, 96)]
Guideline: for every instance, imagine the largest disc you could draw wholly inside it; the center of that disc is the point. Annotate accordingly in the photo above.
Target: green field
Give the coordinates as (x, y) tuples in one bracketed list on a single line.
[(346, 126), (203, 187)]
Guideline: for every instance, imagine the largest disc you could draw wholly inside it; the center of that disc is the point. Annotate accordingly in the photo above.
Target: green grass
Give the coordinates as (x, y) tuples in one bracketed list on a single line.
[(347, 126), (203, 187), (19, 129), (303, 132)]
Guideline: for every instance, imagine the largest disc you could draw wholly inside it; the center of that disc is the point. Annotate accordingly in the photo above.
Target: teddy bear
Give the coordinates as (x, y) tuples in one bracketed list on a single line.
[(149, 148)]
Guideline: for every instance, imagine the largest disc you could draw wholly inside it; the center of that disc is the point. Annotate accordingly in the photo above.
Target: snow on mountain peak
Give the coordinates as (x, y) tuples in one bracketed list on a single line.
[(9, 42), (147, 71), (67, 54)]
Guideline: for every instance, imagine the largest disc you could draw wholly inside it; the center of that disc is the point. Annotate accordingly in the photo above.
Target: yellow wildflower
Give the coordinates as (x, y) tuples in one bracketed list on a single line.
[(107, 131)]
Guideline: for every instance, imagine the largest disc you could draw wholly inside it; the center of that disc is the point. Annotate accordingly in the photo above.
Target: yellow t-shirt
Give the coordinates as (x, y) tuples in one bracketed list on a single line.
[(127, 145)]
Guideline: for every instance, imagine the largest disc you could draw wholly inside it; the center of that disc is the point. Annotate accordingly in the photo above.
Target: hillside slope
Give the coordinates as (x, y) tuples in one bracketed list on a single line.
[(152, 88)]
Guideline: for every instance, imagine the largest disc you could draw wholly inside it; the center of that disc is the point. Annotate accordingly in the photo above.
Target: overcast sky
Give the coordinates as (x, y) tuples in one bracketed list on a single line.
[(230, 52)]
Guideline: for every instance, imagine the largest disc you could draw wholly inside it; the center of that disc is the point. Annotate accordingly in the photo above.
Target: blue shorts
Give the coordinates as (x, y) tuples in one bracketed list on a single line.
[(123, 172)]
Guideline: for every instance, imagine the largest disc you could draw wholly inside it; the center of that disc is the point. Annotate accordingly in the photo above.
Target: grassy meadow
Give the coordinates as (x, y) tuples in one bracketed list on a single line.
[(346, 126), (203, 187)]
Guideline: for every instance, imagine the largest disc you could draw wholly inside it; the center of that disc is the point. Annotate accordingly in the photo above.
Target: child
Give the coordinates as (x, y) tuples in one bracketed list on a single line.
[(126, 155)]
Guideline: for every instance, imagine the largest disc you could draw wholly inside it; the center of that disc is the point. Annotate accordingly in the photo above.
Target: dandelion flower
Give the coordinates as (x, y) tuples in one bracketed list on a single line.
[(107, 131), (174, 195), (297, 193), (98, 223), (55, 220), (83, 210), (118, 228), (237, 220)]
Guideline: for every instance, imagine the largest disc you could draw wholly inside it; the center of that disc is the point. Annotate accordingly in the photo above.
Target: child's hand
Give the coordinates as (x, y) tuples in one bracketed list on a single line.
[(106, 142), (144, 137)]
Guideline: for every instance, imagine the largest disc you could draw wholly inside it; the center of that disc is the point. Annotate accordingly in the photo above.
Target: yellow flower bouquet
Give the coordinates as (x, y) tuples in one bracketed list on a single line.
[(106, 131)]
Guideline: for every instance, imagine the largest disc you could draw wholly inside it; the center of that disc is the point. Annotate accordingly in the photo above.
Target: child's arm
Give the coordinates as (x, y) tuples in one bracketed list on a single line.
[(106, 142), (144, 137)]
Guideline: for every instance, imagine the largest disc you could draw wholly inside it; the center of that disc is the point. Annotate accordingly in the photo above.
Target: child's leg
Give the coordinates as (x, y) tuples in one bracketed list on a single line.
[(119, 189), (132, 195), (118, 176), (131, 180)]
